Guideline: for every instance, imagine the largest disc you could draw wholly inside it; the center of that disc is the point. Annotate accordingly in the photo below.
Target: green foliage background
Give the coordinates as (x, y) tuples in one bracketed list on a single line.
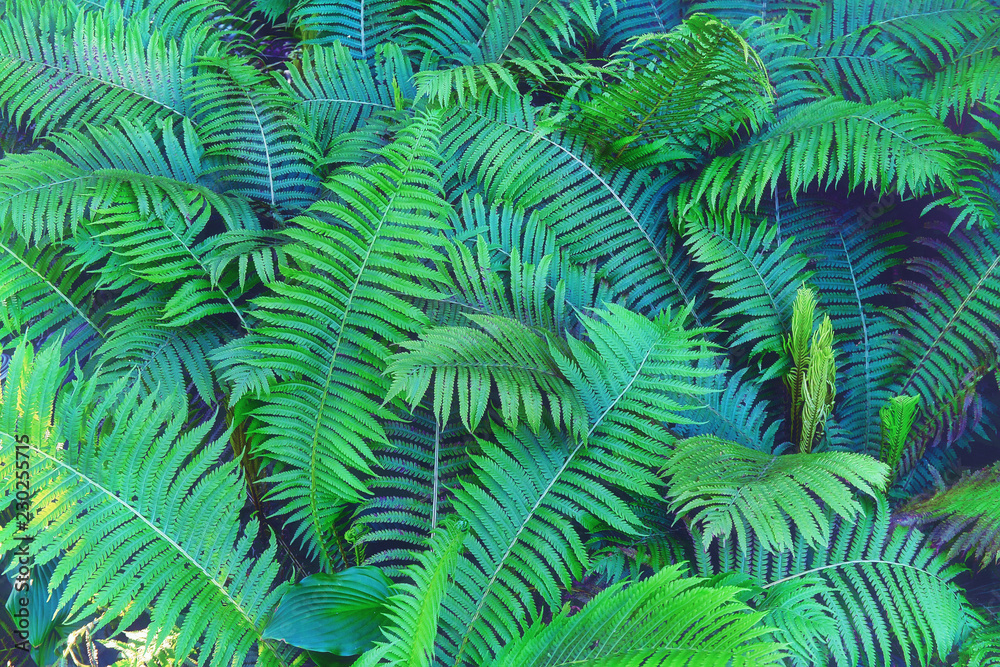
[(469, 332)]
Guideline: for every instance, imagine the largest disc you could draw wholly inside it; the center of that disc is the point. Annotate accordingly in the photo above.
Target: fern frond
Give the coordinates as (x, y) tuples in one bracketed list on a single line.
[(412, 619), (950, 339), (889, 146), (796, 344), (930, 31), (498, 141), (344, 281), (667, 620), (965, 518), (42, 294), (957, 86), (49, 194), (853, 258), (629, 19), (676, 94), (54, 69), (247, 122), (897, 419), (356, 24), (337, 93), (136, 535), (499, 30), (754, 272), (733, 411), (502, 356), (164, 251), (143, 349), (819, 386), (892, 595), (464, 83), (420, 464), (724, 488), (539, 486), (982, 648)]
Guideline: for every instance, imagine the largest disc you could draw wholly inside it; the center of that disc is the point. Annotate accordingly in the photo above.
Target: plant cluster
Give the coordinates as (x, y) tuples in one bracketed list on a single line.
[(501, 332)]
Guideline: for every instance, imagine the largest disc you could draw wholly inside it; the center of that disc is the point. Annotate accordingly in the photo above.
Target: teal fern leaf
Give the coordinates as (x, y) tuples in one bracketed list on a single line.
[(982, 648), (589, 210), (420, 463), (356, 25), (733, 411), (540, 484), (337, 93), (949, 339), (43, 292), (69, 63), (412, 624), (890, 593), (756, 277), (248, 124)]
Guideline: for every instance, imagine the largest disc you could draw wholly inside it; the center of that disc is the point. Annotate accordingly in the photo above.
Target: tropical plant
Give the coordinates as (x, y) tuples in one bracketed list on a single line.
[(500, 332)]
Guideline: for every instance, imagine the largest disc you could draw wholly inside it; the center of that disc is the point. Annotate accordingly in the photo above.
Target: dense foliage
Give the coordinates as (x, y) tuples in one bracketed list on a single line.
[(501, 332)]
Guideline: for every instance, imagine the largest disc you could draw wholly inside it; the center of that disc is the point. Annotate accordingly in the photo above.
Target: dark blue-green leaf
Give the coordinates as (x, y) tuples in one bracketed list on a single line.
[(335, 613)]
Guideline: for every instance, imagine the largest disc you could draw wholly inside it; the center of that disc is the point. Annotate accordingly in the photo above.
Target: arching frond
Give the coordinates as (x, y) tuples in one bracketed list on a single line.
[(888, 589), (46, 193), (965, 518), (247, 122), (755, 276), (344, 281), (474, 33), (412, 622), (42, 293), (982, 648), (950, 338), (733, 411), (337, 93), (722, 488), (850, 272), (531, 491), (889, 146), (676, 94), (138, 534), (499, 143), (502, 356), (420, 465), (53, 70), (628, 19), (666, 619)]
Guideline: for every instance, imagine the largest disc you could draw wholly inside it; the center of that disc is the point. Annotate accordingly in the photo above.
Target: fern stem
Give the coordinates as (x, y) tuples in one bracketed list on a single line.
[(437, 464), (860, 561)]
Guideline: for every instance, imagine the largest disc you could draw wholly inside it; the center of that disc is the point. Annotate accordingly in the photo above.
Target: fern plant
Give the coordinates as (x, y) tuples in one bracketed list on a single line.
[(652, 331)]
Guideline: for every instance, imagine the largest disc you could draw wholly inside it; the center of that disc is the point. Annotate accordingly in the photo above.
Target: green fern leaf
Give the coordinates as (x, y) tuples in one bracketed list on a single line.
[(965, 517), (890, 592), (666, 620), (344, 281), (169, 510), (722, 488)]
